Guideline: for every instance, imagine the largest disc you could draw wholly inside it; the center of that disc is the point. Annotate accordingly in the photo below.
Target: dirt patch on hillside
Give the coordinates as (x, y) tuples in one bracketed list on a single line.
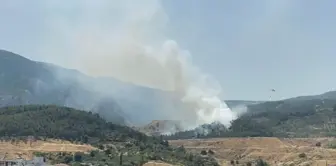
[(155, 163), (12, 150), (273, 150)]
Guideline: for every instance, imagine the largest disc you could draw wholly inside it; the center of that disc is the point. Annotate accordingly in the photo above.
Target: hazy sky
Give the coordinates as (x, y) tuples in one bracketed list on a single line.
[(249, 46)]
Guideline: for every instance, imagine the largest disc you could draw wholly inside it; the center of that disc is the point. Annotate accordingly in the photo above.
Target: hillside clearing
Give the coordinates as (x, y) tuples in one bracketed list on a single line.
[(12, 150)]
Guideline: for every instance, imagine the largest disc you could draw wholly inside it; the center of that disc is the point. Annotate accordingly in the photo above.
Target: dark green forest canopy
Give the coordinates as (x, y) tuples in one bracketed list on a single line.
[(54, 122)]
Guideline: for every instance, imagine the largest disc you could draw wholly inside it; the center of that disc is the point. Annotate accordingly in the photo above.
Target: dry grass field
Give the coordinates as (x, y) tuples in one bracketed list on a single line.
[(9, 150), (273, 150)]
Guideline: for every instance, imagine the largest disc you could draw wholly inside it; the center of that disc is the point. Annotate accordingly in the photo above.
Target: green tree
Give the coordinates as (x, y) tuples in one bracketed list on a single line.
[(120, 159), (78, 157)]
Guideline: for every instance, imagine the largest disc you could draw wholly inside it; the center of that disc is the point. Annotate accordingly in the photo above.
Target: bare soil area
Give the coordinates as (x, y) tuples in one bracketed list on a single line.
[(12, 150), (155, 163), (276, 151)]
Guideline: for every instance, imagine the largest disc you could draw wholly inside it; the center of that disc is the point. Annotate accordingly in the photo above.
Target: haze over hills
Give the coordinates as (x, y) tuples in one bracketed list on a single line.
[(23, 81), (28, 82), (289, 117), (308, 116)]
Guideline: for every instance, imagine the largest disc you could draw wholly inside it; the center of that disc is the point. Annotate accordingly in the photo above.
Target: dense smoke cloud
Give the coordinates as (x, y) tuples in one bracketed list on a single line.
[(126, 40)]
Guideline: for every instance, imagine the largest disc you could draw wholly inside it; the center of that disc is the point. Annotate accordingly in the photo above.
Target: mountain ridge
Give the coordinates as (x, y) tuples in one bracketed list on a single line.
[(24, 81)]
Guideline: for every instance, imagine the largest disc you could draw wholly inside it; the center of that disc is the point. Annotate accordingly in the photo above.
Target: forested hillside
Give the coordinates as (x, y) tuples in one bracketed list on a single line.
[(286, 118), (24, 81), (48, 121)]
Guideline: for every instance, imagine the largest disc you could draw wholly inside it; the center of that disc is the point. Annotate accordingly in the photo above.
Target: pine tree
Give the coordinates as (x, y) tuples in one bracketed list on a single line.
[(120, 158)]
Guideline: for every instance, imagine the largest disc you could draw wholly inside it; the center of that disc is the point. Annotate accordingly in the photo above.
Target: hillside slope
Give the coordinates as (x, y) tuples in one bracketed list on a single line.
[(236, 103), (47, 121), (23, 81), (297, 117)]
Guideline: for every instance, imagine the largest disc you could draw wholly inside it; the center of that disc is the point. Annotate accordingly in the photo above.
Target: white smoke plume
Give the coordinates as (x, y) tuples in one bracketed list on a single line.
[(240, 109), (132, 46)]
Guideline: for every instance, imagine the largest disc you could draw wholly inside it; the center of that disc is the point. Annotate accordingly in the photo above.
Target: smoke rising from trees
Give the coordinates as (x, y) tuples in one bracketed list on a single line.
[(126, 40)]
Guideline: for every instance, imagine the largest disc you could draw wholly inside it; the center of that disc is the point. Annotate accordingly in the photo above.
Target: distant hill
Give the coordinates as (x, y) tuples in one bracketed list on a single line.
[(307, 116), (23, 81), (328, 95), (269, 118), (234, 103), (48, 121)]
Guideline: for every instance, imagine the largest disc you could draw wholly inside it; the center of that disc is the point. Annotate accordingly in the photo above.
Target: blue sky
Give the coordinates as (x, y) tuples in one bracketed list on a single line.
[(248, 46)]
